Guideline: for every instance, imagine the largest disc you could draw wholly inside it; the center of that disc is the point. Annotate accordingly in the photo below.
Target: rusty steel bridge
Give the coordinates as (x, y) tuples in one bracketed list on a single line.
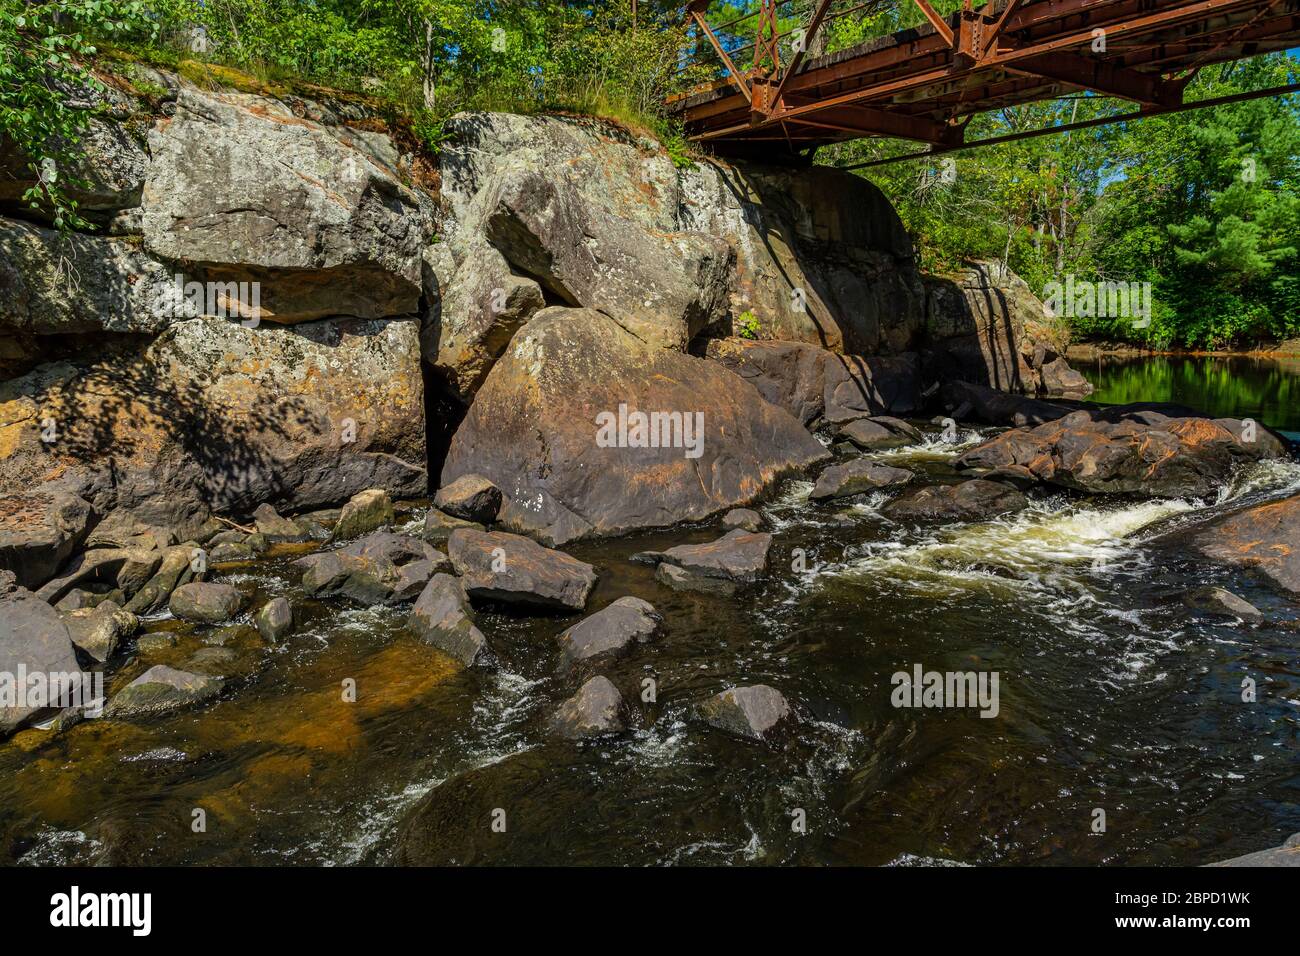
[(774, 98)]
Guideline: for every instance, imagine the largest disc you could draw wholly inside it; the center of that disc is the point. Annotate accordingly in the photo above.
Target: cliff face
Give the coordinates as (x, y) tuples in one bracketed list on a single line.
[(273, 283)]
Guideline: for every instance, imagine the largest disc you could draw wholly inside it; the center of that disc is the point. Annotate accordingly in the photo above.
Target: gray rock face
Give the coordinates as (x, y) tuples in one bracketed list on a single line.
[(38, 532), (57, 285), (1133, 449), (439, 526), (267, 414), (441, 616), (506, 567), (871, 434), (738, 557), (758, 712), (365, 511), (162, 689), (274, 619), (543, 428), (205, 602), (1264, 539), (100, 630), (275, 527), (746, 519), (471, 498), (597, 710), (33, 640), (814, 384), (856, 478), (664, 289), (612, 630), (975, 500), (245, 190)]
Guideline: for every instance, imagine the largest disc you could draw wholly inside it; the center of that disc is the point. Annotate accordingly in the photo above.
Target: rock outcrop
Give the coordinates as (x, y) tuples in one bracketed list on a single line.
[(1264, 539), (546, 429)]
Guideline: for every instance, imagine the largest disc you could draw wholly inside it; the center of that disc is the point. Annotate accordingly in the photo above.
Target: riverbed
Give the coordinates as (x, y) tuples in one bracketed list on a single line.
[(1113, 697)]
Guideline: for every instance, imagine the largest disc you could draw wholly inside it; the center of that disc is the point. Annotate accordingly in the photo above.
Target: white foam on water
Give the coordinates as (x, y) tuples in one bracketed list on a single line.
[(933, 448)]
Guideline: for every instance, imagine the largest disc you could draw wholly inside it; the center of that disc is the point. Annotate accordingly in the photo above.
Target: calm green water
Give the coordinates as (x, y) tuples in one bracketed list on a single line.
[(1265, 389)]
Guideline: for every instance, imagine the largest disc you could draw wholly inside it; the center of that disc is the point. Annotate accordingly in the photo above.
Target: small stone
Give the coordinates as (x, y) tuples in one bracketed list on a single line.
[(612, 630), (275, 527), (743, 518), (205, 602), (274, 619), (596, 710), (757, 712), (470, 498), (367, 511), (1213, 601), (161, 689), (99, 630), (857, 477)]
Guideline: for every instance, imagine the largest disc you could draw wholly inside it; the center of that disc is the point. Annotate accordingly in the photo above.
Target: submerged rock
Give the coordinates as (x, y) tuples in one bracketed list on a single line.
[(1220, 601), (757, 712), (1264, 539), (975, 500), (544, 428), (857, 477), (596, 710), (470, 498), (162, 689), (366, 511), (205, 602), (611, 630), (274, 619), (441, 617), (1132, 449), (38, 532), (507, 567)]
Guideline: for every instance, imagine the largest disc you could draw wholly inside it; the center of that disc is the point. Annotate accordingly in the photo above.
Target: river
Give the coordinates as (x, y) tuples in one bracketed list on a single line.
[(1113, 697)]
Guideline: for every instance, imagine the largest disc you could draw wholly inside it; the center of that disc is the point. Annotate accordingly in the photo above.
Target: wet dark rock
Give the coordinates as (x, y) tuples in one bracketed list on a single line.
[(155, 642), (745, 519), (532, 430), (975, 500), (679, 579), (612, 630), (214, 661), (274, 619), (506, 567), (162, 689), (470, 498), (856, 478), (38, 532), (205, 602), (275, 527), (1263, 539), (738, 557), (970, 402), (381, 568), (33, 638), (365, 511), (1223, 602), (441, 617), (100, 630), (439, 526), (596, 710), (871, 434), (757, 712), (1131, 449)]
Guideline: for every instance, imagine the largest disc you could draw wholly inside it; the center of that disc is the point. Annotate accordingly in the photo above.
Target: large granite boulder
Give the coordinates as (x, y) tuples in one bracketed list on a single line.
[(816, 385), (1264, 539), (1133, 449), (611, 630), (34, 641), (550, 428), (496, 566), (242, 189), (214, 416), (38, 532)]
